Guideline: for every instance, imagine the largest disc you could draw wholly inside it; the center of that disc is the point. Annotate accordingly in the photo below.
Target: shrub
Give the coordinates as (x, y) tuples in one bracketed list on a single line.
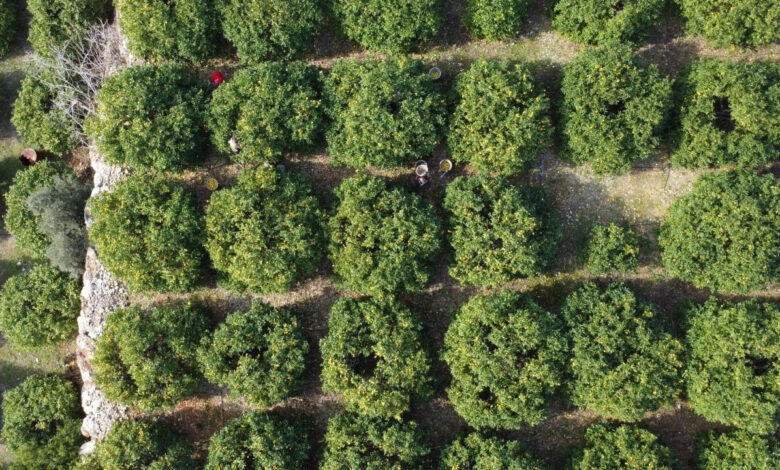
[(20, 221), (7, 25), (374, 357), (725, 233), (180, 30), (498, 231), (259, 440), (738, 450), (625, 446), (39, 307), (270, 30), (61, 211), (40, 125), (150, 117), (480, 451), (607, 22), (138, 445), (147, 359), (267, 110), (148, 233), (502, 121), (612, 248), (55, 21), (613, 109), (745, 23), (732, 370), (506, 356), (729, 114), (389, 25), (623, 362), (41, 422), (495, 19), (384, 113), (260, 354), (382, 238), (357, 442), (265, 232)]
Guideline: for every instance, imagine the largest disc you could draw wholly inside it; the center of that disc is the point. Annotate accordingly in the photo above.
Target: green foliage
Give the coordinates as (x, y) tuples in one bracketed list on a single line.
[(506, 356), (384, 113), (141, 445), (730, 114), (495, 19), (738, 450), (725, 233), (259, 440), (55, 21), (265, 232), (7, 25), (148, 233), (260, 354), (355, 442), (626, 447), (61, 211), (269, 110), (502, 121), (613, 109), (482, 452), (41, 423), (733, 375), (612, 248), (389, 25), (382, 238), (150, 117), (147, 359), (41, 126), (607, 22), (499, 231), (20, 221), (373, 356), (39, 307), (270, 29), (623, 361), (179, 30), (742, 22)]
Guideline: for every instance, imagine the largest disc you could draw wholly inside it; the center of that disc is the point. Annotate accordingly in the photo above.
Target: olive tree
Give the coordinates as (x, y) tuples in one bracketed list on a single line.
[(148, 358), (373, 356), (613, 109), (150, 117), (730, 114), (384, 113), (39, 307), (507, 357), (725, 233), (265, 232), (260, 354), (624, 363), (270, 29), (501, 121), (149, 234), (358, 442), (267, 111), (607, 22), (382, 238), (498, 231), (259, 440), (388, 25), (626, 447), (41, 421), (733, 375), (178, 30)]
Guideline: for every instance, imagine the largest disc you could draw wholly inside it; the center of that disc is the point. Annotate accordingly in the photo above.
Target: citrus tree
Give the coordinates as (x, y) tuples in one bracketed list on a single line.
[(737, 450), (627, 447), (744, 23), (38, 122), (495, 19), (612, 248), (55, 21), (606, 22), (482, 451)]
